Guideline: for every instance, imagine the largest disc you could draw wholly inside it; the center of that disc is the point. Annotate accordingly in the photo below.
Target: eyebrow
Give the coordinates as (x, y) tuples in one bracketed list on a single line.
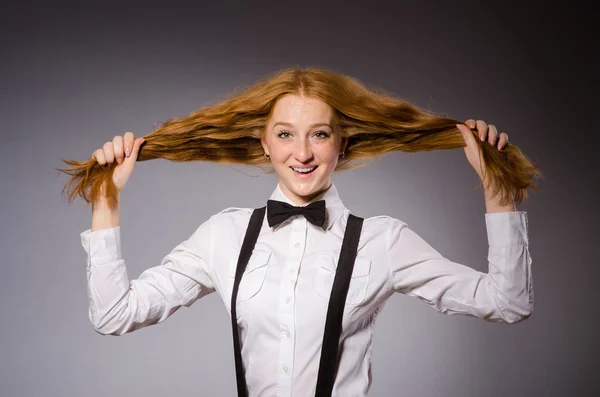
[(311, 126)]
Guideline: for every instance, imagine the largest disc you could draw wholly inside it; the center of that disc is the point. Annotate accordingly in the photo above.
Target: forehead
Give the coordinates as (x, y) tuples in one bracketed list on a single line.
[(298, 109)]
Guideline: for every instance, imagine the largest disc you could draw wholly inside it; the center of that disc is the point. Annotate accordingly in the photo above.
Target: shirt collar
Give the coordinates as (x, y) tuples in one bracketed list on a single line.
[(333, 204)]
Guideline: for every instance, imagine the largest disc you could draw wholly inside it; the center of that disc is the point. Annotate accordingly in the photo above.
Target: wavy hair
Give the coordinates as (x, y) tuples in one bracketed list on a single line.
[(372, 122)]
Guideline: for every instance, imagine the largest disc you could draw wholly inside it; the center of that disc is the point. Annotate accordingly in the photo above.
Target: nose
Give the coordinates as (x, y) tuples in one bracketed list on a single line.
[(303, 151)]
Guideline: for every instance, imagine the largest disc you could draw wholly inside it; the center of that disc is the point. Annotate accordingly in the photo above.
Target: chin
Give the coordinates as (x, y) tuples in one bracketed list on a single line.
[(306, 190)]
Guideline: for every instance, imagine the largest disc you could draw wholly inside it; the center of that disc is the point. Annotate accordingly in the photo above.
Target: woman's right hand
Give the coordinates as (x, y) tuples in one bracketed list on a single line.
[(124, 150)]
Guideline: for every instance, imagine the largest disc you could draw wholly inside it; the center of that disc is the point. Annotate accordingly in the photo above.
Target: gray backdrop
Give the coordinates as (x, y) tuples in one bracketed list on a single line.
[(74, 75)]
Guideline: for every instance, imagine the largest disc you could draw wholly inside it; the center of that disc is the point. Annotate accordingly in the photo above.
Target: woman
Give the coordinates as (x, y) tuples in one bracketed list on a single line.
[(306, 124)]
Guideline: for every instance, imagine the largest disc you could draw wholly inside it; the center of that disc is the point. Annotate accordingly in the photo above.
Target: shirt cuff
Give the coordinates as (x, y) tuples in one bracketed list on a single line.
[(102, 246), (507, 228)]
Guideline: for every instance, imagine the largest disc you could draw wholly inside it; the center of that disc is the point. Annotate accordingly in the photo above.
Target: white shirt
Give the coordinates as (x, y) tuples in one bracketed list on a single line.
[(283, 295)]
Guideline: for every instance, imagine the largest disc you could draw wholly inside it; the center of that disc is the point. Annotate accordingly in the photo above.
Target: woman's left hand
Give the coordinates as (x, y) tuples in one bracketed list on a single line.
[(486, 132)]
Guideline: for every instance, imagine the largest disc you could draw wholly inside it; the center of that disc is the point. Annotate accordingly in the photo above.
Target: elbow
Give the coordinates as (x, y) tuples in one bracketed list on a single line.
[(101, 331), (516, 313), (105, 331), (513, 307), (104, 327)]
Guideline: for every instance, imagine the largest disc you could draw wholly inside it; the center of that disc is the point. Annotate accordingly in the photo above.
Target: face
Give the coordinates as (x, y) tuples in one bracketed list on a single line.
[(304, 146)]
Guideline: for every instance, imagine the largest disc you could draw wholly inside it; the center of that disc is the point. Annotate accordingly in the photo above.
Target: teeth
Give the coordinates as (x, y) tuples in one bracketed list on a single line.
[(303, 170)]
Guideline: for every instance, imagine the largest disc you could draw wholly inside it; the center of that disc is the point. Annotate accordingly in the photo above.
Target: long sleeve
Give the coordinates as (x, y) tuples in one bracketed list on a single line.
[(118, 305), (504, 294)]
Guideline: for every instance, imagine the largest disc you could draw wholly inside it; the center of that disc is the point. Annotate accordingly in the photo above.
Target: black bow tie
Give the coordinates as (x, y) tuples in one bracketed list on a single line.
[(279, 211)]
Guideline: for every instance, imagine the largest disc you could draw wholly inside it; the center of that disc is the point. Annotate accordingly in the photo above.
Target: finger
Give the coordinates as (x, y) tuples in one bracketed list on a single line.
[(492, 134), (502, 140), (118, 148), (482, 129), (108, 152), (128, 139), (99, 156), (470, 123)]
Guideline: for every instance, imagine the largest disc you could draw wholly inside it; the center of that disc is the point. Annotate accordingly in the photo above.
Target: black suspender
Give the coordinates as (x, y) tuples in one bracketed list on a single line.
[(250, 238), (335, 310)]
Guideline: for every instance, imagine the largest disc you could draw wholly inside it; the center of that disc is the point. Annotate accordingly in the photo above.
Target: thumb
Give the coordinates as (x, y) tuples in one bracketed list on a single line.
[(130, 161), (467, 135), (136, 148)]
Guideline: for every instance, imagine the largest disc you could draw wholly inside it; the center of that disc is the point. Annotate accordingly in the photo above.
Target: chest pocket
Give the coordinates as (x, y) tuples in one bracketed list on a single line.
[(359, 281), (254, 275)]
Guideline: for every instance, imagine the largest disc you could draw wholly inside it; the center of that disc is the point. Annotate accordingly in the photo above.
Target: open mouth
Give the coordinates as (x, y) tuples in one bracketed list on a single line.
[(304, 171)]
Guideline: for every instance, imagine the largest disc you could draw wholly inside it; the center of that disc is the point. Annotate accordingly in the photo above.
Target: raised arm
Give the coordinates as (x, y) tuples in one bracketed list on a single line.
[(503, 294), (116, 304)]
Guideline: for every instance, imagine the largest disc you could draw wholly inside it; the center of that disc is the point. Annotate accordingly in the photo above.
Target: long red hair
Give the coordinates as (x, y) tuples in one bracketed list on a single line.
[(373, 123)]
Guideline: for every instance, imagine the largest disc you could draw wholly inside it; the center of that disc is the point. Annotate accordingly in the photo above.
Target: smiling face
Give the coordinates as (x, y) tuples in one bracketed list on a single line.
[(304, 145)]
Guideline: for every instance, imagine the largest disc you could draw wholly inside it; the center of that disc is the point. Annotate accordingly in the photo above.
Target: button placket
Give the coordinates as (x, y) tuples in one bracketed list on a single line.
[(289, 275)]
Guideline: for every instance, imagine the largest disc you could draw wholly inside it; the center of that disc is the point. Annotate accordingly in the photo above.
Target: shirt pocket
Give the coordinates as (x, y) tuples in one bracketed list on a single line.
[(254, 275), (359, 281)]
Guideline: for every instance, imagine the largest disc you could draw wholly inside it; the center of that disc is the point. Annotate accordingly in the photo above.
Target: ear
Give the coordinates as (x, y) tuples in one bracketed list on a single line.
[(263, 142), (344, 144), (338, 129)]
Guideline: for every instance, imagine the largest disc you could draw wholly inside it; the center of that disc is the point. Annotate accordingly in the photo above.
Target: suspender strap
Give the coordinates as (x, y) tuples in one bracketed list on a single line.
[(335, 311), (248, 244)]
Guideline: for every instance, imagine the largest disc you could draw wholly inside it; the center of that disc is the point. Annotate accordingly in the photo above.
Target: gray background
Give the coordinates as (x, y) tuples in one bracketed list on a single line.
[(75, 74)]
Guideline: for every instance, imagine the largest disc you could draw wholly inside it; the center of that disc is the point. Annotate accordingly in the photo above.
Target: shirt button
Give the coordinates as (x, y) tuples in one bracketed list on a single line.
[(288, 299), (292, 271), (285, 369), (297, 245), (287, 333)]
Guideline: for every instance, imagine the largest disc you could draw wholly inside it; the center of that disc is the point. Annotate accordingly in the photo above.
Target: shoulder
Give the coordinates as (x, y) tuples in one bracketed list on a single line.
[(382, 226), (383, 222), (378, 233), (233, 211), (232, 216)]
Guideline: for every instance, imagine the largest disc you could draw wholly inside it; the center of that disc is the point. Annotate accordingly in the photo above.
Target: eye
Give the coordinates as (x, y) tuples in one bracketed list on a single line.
[(322, 134), (283, 134)]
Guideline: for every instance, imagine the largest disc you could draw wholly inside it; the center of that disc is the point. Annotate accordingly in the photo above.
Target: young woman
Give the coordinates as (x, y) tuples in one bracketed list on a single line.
[(305, 293)]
